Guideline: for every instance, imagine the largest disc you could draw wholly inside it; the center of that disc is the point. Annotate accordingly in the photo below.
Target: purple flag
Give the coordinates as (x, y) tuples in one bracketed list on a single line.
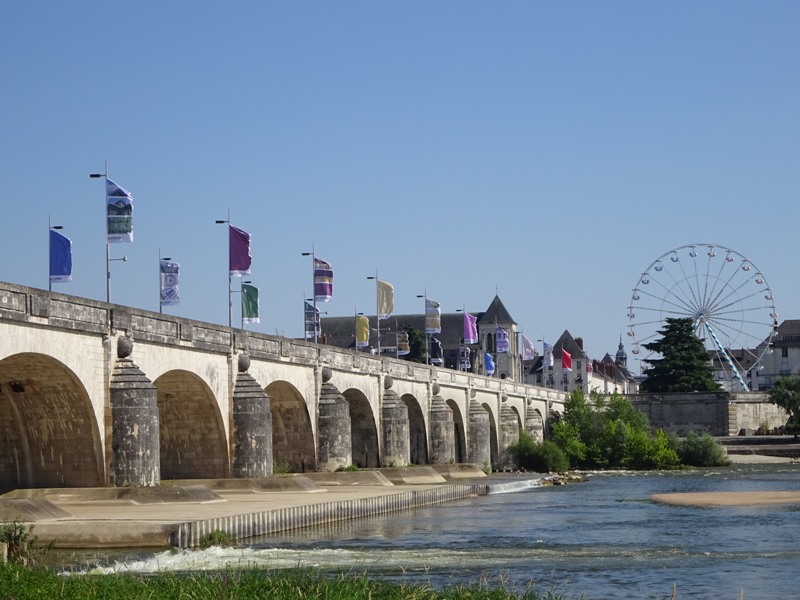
[(239, 251), (470, 329), (323, 280), (501, 340)]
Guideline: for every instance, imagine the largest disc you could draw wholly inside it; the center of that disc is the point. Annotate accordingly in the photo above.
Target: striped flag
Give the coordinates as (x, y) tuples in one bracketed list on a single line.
[(312, 324), (403, 346), (548, 354), (169, 273), (60, 258), (433, 316), (323, 280), (119, 214), (240, 258)]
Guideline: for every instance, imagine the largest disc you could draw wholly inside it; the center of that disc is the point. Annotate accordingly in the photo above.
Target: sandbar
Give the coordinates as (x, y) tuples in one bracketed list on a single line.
[(751, 498)]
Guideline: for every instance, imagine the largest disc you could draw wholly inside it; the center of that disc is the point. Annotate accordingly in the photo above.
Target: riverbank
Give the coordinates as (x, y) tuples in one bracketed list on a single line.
[(180, 513)]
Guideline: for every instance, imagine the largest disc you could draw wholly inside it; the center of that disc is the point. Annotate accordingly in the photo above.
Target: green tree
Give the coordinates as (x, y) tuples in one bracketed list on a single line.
[(542, 457), (684, 365), (786, 394), (608, 432)]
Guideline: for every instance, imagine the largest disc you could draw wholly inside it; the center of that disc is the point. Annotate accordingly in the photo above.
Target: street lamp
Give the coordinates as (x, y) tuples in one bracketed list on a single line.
[(313, 287), (104, 175), (220, 222), (51, 227), (377, 309), (424, 296)]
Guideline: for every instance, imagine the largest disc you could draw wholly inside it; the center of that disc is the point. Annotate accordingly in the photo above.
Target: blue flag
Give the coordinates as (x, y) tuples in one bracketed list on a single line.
[(488, 364), (60, 258)]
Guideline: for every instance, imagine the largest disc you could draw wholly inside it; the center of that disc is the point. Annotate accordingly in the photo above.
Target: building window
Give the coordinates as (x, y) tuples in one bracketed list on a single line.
[(784, 353)]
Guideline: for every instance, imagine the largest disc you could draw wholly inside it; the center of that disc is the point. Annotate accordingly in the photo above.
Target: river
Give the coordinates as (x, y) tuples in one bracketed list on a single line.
[(600, 539)]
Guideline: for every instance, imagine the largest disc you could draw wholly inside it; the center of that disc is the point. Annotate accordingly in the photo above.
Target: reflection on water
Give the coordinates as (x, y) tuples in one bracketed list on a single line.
[(600, 539)]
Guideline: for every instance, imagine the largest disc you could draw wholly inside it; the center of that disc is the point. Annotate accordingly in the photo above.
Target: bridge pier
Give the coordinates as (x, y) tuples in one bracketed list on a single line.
[(396, 428), (335, 445), (252, 426), (480, 436), (443, 430), (135, 458)]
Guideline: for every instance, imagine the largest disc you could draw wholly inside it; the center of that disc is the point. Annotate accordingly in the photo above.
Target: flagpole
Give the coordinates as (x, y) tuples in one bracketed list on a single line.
[(160, 308), (313, 287), (424, 296), (50, 227), (230, 301), (104, 176), (377, 309)]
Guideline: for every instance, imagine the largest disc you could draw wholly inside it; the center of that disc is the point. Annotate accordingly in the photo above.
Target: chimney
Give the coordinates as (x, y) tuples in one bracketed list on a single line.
[(579, 341)]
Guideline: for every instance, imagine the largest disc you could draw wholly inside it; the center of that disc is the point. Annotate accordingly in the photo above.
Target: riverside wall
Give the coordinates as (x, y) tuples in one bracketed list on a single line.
[(716, 413), (190, 533)]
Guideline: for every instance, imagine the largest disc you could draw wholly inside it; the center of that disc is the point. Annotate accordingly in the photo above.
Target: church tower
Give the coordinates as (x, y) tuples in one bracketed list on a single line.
[(621, 358)]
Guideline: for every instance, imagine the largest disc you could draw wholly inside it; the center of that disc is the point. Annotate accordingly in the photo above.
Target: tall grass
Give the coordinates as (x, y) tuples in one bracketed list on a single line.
[(18, 583)]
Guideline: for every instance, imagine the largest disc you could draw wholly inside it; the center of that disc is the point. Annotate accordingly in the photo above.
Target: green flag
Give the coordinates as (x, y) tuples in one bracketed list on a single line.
[(249, 304)]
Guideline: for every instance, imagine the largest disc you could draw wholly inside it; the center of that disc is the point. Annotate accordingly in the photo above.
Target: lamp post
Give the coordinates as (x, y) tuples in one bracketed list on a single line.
[(104, 176), (424, 296), (377, 309), (548, 380), (220, 222), (160, 258), (313, 286), (50, 227)]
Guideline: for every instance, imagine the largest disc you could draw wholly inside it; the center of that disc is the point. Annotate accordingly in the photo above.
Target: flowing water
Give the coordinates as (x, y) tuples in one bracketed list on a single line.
[(601, 539)]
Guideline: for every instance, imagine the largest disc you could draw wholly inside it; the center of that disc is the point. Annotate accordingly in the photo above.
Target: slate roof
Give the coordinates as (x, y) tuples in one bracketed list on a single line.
[(497, 313)]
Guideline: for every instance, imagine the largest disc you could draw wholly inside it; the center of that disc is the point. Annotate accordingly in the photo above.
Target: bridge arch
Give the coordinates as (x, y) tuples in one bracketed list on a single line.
[(293, 448), (493, 437), (460, 431), (363, 430), (417, 432), (192, 435), (49, 436)]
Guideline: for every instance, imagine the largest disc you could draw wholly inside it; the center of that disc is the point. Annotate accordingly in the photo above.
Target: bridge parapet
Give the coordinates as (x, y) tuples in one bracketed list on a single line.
[(57, 356)]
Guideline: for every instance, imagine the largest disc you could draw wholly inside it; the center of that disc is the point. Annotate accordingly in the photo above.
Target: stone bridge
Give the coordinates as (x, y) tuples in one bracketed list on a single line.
[(97, 394)]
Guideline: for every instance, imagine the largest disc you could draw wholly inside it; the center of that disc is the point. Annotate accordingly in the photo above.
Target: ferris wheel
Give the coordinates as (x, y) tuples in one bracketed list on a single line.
[(725, 295)]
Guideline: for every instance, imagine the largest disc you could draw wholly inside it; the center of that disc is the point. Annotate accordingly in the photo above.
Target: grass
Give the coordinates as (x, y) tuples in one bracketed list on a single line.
[(18, 583)]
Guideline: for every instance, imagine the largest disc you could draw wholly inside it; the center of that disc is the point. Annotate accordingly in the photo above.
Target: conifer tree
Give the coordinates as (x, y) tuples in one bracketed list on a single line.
[(684, 365)]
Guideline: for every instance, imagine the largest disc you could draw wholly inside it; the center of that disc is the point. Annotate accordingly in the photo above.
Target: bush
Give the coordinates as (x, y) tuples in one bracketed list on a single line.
[(23, 547), (217, 538), (702, 451), (542, 457)]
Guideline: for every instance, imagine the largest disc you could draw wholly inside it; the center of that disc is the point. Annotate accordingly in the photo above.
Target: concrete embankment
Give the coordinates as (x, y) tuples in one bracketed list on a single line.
[(180, 513)]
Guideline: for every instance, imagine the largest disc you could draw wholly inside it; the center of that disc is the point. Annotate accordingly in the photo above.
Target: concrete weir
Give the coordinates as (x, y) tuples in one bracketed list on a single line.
[(189, 534)]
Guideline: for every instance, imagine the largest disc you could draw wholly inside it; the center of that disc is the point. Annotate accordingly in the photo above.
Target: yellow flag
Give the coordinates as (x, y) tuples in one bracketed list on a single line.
[(362, 331), (385, 300)]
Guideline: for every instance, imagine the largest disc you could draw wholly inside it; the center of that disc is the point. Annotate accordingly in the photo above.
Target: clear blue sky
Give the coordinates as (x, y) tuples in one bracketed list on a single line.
[(549, 151)]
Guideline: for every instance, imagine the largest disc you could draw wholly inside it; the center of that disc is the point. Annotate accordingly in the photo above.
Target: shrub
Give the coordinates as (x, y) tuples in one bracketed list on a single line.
[(23, 546), (217, 538), (348, 468), (702, 451), (542, 457)]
